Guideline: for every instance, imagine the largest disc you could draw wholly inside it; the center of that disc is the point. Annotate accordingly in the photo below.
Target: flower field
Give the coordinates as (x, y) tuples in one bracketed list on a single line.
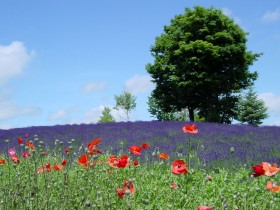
[(140, 165)]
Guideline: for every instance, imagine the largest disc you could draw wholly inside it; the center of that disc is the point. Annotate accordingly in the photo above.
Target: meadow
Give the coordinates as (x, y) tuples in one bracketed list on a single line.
[(140, 165)]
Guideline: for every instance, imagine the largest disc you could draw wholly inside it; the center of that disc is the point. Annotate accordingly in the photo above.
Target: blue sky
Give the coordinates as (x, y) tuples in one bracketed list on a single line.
[(62, 61)]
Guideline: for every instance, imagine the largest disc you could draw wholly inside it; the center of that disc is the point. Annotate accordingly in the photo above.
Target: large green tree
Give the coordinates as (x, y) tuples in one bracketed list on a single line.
[(250, 109), (201, 63)]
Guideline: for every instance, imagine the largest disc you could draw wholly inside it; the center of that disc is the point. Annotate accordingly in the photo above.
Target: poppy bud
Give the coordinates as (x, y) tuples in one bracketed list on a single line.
[(208, 178)]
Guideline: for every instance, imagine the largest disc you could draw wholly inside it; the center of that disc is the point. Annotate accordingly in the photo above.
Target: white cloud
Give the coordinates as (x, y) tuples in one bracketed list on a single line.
[(13, 59), (57, 115), (139, 84), (95, 113), (226, 11), (272, 101), (63, 114), (273, 123), (94, 87), (276, 123), (9, 109), (271, 16), (91, 116)]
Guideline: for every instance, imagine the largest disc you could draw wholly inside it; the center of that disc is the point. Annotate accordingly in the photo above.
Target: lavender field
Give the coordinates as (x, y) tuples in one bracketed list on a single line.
[(213, 143)]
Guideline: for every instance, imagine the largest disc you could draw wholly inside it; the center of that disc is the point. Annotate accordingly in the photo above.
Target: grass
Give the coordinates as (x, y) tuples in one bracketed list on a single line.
[(94, 187)]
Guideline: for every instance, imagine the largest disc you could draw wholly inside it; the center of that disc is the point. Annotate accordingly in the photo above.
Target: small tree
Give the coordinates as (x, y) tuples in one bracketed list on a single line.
[(250, 109), (106, 116), (126, 102)]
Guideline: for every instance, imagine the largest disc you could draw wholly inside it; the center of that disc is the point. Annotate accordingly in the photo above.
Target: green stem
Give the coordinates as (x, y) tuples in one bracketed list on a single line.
[(189, 154)]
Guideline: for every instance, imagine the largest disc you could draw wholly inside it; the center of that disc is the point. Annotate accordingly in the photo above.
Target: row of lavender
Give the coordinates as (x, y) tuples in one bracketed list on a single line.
[(213, 142)]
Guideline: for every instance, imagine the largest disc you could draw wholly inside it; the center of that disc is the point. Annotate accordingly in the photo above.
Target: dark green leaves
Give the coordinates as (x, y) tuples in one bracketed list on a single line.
[(200, 63)]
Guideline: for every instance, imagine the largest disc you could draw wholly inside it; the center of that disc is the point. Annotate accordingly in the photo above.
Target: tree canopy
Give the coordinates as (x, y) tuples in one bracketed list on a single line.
[(201, 63)]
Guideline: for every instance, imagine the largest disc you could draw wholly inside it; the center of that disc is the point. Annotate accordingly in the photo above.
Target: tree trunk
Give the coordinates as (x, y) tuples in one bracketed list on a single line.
[(191, 114)]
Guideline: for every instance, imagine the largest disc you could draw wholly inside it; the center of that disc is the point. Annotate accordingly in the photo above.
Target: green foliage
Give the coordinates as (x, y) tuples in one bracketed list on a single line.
[(201, 63), (197, 118), (106, 116), (222, 111), (250, 109), (156, 111), (126, 102), (161, 115)]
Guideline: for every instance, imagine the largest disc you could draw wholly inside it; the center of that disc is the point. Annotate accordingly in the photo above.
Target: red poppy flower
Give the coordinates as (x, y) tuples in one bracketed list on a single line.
[(190, 128), (204, 208), (269, 169), (124, 157), (96, 141), (122, 163), (93, 143), (136, 163), (15, 159), (57, 167), (112, 157), (64, 162), (2, 162), (271, 186), (163, 156), (120, 192), (84, 160), (94, 151), (116, 162), (259, 171), (30, 145), (135, 150), (66, 150), (173, 186), (20, 140), (179, 167), (128, 186), (25, 154), (112, 161), (145, 146), (45, 168), (26, 136)]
